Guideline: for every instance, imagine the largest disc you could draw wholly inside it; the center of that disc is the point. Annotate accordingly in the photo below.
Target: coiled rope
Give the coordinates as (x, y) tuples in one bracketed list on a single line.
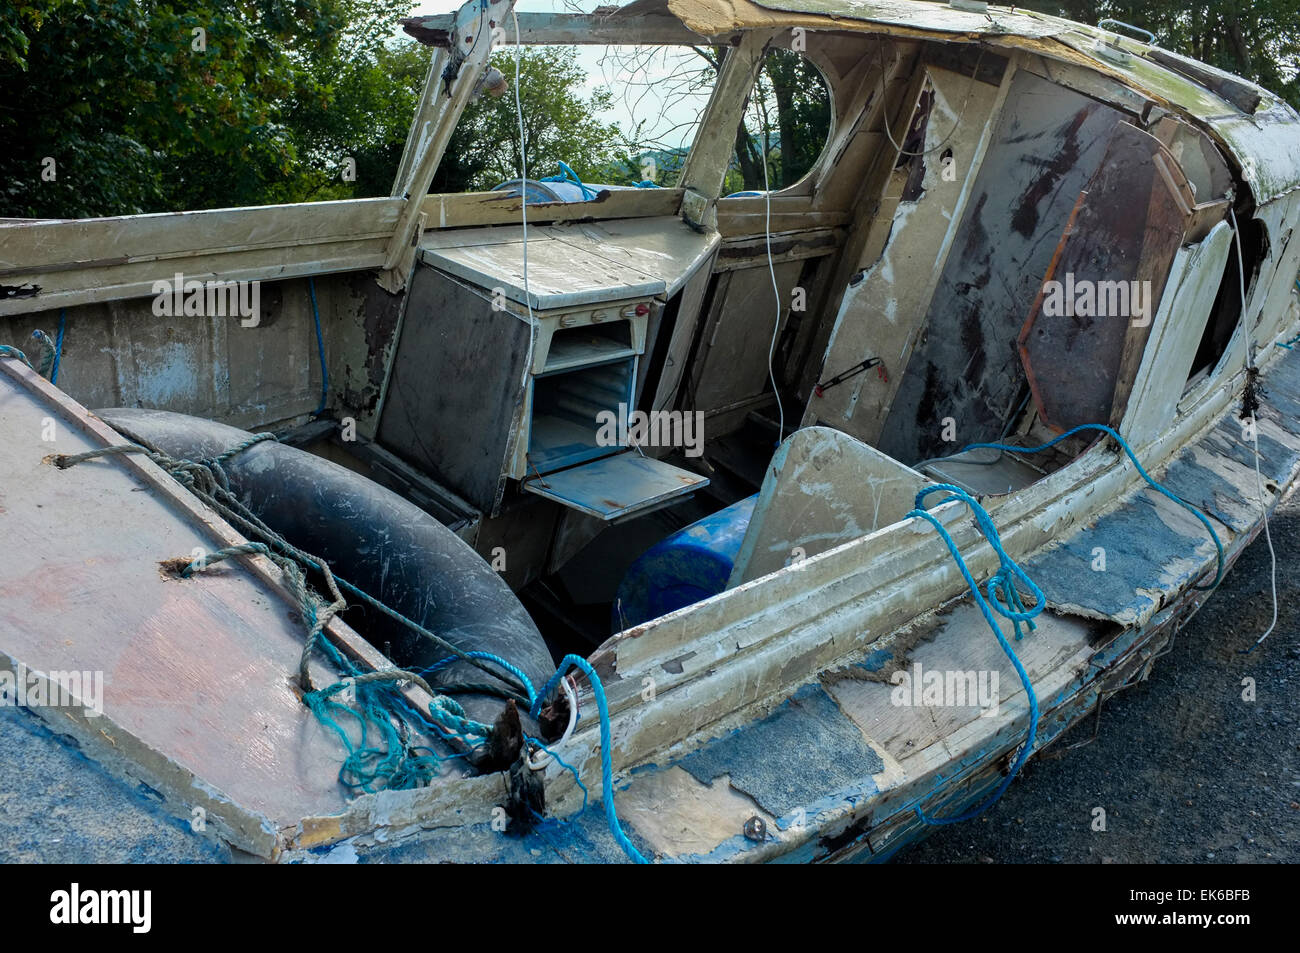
[(369, 766), (1004, 599)]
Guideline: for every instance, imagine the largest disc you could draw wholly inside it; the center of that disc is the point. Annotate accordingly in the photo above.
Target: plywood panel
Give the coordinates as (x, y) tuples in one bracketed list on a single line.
[(1049, 141), (885, 305)]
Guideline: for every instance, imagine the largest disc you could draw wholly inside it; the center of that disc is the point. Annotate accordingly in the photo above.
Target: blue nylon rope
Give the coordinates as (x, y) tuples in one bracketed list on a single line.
[(320, 347), (1002, 583), (496, 660), (1009, 606), (1151, 482), (568, 175), (58, 346), (606, 755)]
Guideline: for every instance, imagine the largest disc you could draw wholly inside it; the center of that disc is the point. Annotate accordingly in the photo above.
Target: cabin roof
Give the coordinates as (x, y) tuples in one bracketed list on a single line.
[(1257, 127), (711, 15)]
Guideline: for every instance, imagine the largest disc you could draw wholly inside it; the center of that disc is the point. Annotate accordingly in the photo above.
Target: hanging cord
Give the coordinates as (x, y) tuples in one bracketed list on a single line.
[(776, 291), (1249, 404), (320, 348), (606, 746), (970, 87), (523, 205), (1151, 482), (1004, 599), (58, 346)]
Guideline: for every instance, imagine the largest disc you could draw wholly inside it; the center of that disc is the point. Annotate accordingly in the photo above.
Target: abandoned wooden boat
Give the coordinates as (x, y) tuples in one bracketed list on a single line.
[(716, 458)]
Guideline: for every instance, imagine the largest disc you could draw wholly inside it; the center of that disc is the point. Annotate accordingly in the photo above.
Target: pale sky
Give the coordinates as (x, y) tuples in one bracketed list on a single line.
[(641, 79)]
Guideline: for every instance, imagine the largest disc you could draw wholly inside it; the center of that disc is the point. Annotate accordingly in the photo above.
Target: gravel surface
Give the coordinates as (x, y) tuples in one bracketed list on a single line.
[(1185, 769)]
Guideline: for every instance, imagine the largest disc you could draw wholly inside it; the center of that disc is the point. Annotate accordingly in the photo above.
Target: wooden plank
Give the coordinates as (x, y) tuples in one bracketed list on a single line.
[(706, 165), (107, 259), (567, 29), (665, 248), (577, 263), (560, 275), (900, 83), (868, 15), (198, 674), (465, 209), (1194, 280), (422, 126), (683, 334), (961, 643), (882, 313), (791, 246), (72, 244), (474, 28)]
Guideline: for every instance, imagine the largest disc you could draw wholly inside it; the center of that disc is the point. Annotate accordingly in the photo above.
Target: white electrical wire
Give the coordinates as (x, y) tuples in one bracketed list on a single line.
[(1254, 430), (776, 293), (537, 764), (523, 191)]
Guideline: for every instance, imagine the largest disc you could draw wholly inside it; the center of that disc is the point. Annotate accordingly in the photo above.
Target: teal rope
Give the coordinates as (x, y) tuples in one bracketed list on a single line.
[(564, 764), (606, 746), (391, 761), (47, 352), (1151, 482), (320, 348), (1009, 606), (568, 175), (7, 350)]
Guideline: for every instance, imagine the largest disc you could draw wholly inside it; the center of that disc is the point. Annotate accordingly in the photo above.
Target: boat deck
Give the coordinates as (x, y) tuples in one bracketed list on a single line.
[(198, 685)]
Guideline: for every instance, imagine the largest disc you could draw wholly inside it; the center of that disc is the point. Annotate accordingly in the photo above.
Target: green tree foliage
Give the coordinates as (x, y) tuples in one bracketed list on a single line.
[(1256, 39), (375, 99), (789, 114), (118, 107), (559, 125), (139, 112)]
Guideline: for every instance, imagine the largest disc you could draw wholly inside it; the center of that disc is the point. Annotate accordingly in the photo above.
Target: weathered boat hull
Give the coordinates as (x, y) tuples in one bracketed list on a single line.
[(785, 717)]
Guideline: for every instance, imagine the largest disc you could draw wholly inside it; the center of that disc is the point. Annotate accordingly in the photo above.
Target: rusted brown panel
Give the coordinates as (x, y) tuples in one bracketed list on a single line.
[(1048, 143), (1079, 354)]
